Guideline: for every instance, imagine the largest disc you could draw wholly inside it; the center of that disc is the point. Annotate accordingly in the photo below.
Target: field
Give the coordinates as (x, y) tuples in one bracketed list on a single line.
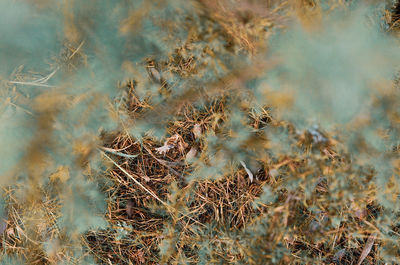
[(200, 132)]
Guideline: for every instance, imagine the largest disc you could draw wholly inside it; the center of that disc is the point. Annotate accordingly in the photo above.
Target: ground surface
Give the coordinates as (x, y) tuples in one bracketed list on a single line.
[(160, 135)]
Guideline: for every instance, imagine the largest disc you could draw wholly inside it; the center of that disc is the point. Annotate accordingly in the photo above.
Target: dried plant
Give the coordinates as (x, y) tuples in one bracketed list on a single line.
[(199, 132)]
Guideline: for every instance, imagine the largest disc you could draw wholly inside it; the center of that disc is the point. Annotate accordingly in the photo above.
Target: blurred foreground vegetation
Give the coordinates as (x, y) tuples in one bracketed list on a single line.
[(199, 132)]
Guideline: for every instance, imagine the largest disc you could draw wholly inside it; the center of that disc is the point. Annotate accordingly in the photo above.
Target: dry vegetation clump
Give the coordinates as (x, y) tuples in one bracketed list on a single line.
[(158, 138)]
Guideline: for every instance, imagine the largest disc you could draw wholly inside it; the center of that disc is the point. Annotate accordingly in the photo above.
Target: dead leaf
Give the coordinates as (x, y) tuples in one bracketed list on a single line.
[(360, 213), (191, 154), (367, 248), (146, 178), (197, 131), (155, 74), (164, 149), (174, 141), (247, 170), (129, 208)]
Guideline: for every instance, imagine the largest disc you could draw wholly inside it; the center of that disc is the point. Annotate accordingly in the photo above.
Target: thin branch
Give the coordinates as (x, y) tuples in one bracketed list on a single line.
[(29, 83), (115, 152), (137, 182)]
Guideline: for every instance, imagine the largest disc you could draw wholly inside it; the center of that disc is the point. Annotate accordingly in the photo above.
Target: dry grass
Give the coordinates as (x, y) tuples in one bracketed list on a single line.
[(295, 211)]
